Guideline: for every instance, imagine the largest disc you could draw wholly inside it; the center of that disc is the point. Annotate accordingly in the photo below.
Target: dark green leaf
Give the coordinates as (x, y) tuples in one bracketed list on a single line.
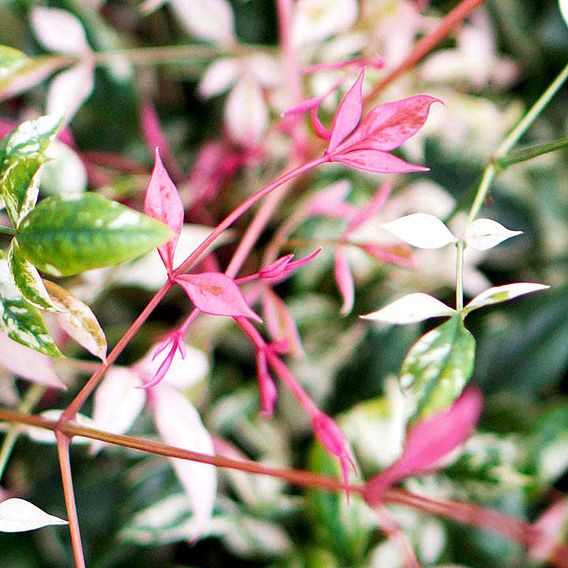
[(66, 235), (438, 367), (23, 154), (19, 319)]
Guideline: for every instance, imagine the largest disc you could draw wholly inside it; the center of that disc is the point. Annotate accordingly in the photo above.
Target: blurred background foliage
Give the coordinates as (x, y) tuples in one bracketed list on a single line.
[(516, 462)]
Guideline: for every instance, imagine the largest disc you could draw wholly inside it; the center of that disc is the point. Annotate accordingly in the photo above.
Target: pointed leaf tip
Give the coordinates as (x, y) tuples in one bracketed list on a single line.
[(18, 515), (348, 114), (411, 308), (504, 293), (484, 234)]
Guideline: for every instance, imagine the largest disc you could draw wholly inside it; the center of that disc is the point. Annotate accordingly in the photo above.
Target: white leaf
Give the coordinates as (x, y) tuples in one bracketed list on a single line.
[(410, 309), (179, 425), (27, 363), (65, 172), (210, 20), (118, 402), (246, 115), (183, 372), (218, 77), (484, 234), (421, 230), (564, 10), (69, 90), (18, 515), (503, 294), (316, 20), (43, 436), (58, 30)]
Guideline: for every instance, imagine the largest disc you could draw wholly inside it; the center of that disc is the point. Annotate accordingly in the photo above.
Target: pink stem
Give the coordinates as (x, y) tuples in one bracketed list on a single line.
[(394, 533)]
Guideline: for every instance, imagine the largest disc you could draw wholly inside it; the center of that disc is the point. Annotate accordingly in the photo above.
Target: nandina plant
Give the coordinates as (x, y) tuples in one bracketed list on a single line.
[(238, 289)]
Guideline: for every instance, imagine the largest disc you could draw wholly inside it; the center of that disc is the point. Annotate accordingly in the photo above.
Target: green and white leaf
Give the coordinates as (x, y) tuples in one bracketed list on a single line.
[(437, 368), (78, 320), (504, 293), (27, 279), (20, 320), (421, 230), (411, 308), (68, 234), (18, 515), (484, 234), (11, 60), (23, 155)]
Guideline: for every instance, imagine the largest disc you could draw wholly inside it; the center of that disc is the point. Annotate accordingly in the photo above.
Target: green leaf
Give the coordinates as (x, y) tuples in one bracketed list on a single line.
[(11, 60), (66, 235), (342, 528), (438, 367), (22, 155), (19, 319), (27, 279)]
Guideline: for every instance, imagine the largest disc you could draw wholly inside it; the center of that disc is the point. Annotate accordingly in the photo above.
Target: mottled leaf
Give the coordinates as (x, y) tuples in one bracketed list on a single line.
[(77, 319), (437, 368), (18, 515), (421, 230), (411, 308), (215, 294), (504, 293), (19, 319), (23, 153), (27, 279), (66, 235)]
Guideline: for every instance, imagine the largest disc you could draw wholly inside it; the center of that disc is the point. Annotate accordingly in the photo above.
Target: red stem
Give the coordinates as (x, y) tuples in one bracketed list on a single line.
[(63, 441), (425, 45)]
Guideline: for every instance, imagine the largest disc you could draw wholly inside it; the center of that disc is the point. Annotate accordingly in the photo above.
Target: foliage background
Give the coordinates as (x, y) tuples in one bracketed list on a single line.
[(521, 360)]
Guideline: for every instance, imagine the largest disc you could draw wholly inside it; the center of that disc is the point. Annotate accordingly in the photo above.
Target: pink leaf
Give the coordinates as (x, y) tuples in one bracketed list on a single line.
[(377, 162), (548, 530), (428, 442), (268, 391), (318, 127), (334, 441), (179, 424), (348, 114), (401, 255), (280, 324), (389, 125), (215, 294), (285, 264), (118, 402), (344, 280), (59, 31), (163, 203), (27, 363), (330, 202)]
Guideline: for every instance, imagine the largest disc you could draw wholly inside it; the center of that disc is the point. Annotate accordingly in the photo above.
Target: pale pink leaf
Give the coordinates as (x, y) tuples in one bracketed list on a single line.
[(348, 114), (179, 425), (210, 20), (376, 162), (215, 294), (219, 77), (503, 293), (163, 202), (330, 201), (411, 308), (549, 529), (428, 442), (183, 372), (18, 515), (60, 31), (372, 207), (484, 234), (389, 125), (421, 230), (70, 89), (401, 255), (280, 324), (246, 114), (27, 363), (267, 388), (344, 280), (118, 402)]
